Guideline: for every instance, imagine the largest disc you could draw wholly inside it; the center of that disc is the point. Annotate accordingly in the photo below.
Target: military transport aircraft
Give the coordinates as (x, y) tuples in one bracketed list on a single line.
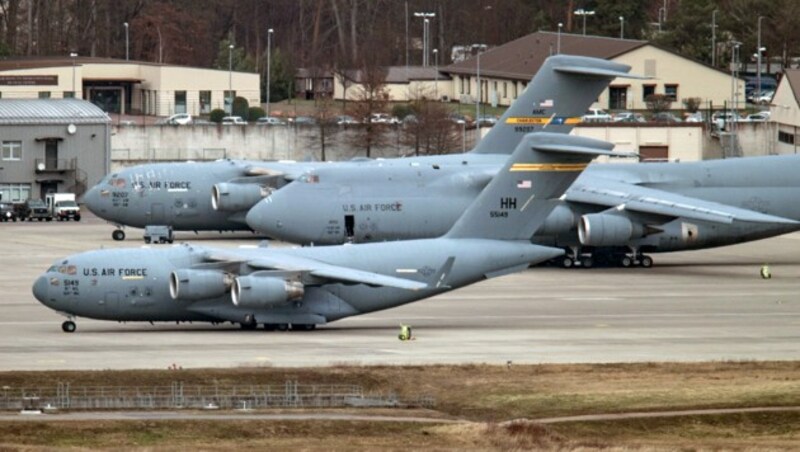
[(611, 212), (305, 287), (217, 195)]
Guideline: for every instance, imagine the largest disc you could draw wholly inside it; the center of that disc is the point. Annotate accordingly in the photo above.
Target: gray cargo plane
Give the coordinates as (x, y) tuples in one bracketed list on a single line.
[(611, 212), (217, 195), (306, 287)]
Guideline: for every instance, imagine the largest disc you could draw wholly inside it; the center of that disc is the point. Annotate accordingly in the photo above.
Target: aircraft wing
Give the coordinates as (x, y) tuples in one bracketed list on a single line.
[(313, 267), (635, 198)]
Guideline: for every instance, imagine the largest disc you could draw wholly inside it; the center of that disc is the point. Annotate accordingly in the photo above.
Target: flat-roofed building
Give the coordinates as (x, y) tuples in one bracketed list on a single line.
[(121, 86), (51, 145)]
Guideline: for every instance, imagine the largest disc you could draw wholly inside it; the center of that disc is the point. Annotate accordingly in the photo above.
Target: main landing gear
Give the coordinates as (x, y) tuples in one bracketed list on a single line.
[(636, 258), (118, 235), (575, 258), (68, 326)]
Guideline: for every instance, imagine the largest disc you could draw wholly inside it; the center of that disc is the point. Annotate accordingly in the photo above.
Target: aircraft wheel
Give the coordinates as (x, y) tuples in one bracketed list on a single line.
[(587, 262), (567, 262), (118, 235), (147, 240), (282, 326), (249, 322), (270, 326), (627, 262), (68, 326), (647, 261)]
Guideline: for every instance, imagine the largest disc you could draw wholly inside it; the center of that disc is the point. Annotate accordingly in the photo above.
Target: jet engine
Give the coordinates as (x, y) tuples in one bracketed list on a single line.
[(228, 197), (562, 219), (600, 229), (264, 291), (193, 285)]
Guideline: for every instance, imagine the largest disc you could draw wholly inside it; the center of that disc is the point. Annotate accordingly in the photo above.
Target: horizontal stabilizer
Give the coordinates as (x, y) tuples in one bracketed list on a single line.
[(599, 72)]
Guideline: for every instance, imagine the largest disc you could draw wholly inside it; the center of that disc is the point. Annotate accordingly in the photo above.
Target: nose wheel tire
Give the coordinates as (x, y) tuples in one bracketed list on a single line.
[(118, 235), (68, 326)]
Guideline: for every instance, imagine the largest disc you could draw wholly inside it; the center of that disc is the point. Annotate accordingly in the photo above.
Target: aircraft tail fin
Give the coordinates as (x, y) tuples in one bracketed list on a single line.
[(554, 101), (521, 196)]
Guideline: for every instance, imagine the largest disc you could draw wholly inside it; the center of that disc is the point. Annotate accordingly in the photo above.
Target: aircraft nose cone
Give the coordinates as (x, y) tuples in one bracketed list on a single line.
[(258, 216), (40, 289), (92, 200)]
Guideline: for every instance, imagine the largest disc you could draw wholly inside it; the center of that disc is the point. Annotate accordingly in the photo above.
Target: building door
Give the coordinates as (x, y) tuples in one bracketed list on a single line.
[(618, 98), (51, 154), (653, 153), (48, 187)]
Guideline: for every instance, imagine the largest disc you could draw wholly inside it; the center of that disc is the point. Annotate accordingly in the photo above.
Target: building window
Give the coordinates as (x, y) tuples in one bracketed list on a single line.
[(671, 91), (12, 150), (647, 91), (44, 94), (514, 91), (505, 90), (205, 102), (69, 94), (229, 95), (469, 86), (180, 101), (787, 138), (15, 192)]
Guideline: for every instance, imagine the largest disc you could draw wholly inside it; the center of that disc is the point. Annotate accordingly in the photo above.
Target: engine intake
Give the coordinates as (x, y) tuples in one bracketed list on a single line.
[(193, 285), (608, 230), (227, 197), (264, 291)]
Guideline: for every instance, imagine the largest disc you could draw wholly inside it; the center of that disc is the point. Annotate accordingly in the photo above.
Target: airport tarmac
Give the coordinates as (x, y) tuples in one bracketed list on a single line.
[(691, 306)]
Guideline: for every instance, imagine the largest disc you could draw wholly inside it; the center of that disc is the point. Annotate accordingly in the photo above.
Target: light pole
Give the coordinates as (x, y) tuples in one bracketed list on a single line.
[(621, 27), (661, 14), (230, 77), (127, 42), (160, 47), (436, 74), (73, 55), (583, 13), (269, 48), (425, 16), (558, 42), (714, 38), (760, 50), (463, 123)]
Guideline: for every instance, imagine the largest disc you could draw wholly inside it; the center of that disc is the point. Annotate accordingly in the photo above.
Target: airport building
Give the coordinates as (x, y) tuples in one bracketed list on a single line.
[(785, 112), (505, 71), (126, 87), (51, 145), (402, 84)]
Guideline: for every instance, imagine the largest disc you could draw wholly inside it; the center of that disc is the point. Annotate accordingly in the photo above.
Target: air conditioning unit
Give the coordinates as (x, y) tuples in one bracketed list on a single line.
[(445, 98)]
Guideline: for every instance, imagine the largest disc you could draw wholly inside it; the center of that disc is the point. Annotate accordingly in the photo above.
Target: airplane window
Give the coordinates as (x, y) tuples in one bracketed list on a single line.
[(119, 182), (52, 269), (71, 270), (54, 282)]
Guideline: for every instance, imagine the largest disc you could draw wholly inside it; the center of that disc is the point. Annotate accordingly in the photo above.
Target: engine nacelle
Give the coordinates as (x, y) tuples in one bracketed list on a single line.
[(600, 229), (562, 219), (227, 197), (193, 285), (264, 291)]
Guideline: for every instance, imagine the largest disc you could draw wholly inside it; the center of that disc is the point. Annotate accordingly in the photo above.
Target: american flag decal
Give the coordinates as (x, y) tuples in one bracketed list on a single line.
[(524, 184)]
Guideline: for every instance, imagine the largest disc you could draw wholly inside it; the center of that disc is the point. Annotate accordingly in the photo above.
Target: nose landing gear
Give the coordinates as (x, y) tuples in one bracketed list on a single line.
[(68, 326), (118, 235)]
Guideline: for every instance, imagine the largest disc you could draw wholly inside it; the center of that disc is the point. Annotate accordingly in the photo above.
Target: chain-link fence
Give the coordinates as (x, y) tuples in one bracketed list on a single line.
[(179, 395)]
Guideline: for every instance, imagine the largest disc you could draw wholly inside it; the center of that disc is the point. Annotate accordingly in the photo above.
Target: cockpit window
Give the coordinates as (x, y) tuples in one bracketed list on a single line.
[(118, 182), (64, 269), (309, 178)]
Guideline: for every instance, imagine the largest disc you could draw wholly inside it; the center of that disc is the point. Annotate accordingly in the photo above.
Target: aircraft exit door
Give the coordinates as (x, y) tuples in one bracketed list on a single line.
[(349, 226)]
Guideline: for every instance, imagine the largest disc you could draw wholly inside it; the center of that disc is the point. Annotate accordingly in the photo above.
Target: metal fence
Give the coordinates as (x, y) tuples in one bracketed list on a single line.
[(179, 395)]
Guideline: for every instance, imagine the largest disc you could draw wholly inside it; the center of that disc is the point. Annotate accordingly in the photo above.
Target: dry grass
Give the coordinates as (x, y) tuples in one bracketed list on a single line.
[(486, 395)]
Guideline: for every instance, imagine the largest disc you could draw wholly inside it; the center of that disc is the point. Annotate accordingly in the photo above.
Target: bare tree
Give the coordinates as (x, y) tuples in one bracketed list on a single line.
[(431, 130), (370, 97), (326, 124)]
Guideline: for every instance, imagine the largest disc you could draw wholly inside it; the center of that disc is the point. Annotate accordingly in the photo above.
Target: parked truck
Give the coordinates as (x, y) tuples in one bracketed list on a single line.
[(62, 206)]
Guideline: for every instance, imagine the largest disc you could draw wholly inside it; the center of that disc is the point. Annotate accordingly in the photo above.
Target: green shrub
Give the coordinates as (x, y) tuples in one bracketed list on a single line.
[(254, 113), (240, 107), (402, 110), (216, 115)]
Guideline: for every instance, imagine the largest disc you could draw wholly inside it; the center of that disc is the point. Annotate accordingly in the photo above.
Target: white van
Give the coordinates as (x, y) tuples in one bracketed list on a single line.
[(62, 206)]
